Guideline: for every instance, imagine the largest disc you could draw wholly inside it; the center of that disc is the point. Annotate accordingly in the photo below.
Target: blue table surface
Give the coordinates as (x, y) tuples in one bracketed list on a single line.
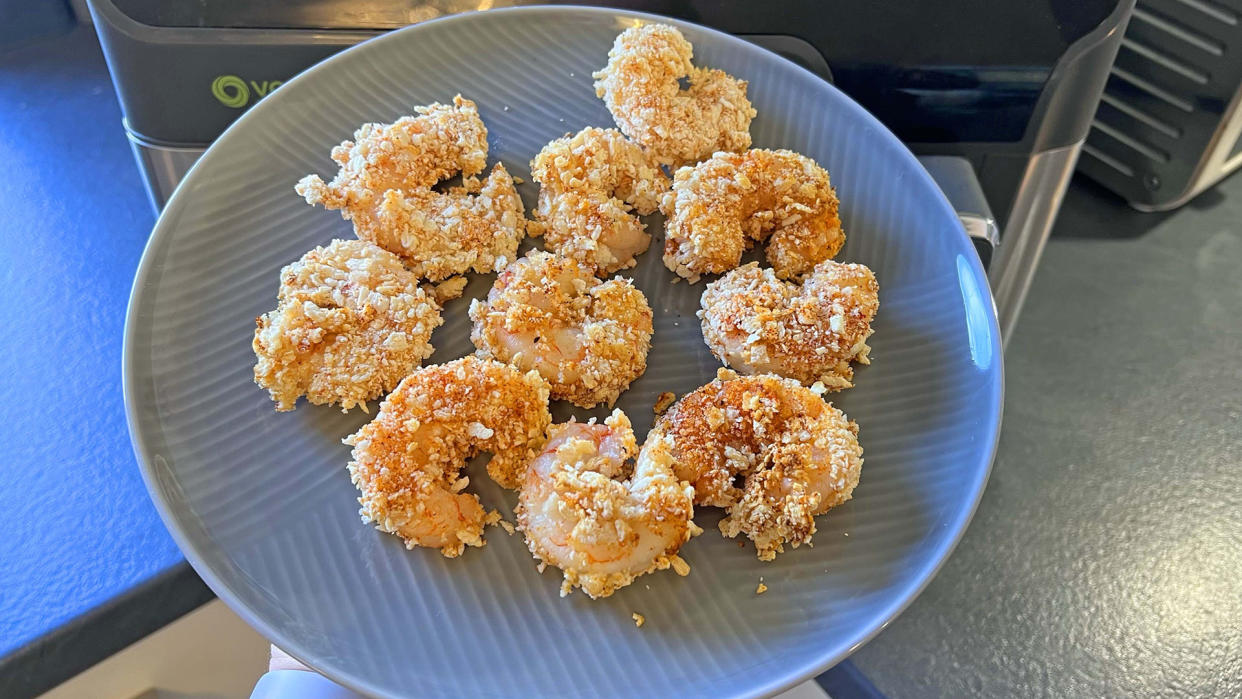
[(77, 528)]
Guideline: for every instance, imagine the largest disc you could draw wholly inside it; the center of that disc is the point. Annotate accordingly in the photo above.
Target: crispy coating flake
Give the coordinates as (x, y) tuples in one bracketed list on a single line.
[(591, 185), (581, 514), (758, 324), (384, 186), (350, 323), (795, 455), (723, 205), (641, 87), (407, 462), (588, 338), (447, 290)]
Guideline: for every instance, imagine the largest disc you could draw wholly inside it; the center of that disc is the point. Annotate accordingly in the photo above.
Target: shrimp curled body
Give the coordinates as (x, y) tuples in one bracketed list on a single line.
[(591, 186), (588, 338), (579, 514), (640, 85), (384, 186), (407, 462), (759, 324), (721, 206), (350, 323), (795, 456)]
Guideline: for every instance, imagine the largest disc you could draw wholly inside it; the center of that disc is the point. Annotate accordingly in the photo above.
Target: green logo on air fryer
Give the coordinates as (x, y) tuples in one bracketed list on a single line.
[(234, 92)]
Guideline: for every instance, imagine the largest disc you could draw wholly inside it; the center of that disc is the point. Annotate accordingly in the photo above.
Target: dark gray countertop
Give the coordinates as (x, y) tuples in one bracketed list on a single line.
[(1105, 559), (1106, 556)]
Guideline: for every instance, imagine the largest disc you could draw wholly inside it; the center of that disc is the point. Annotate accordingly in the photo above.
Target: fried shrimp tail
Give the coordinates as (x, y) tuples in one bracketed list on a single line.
[(811, 332), (723, 205), (384, 186), (350, 323), (591, 186), (641, 87), (581, 514), (588, 338), (768, 450), (407, 462)]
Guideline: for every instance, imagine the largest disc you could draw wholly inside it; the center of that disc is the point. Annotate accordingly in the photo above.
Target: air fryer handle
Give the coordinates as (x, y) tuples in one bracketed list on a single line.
[(960, 185)]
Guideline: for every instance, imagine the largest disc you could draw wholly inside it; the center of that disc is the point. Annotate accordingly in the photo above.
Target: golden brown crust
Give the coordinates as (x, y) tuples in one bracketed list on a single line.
[(588, 338), (587, 228), (797, 455), (721, 206), (603, 161), (408, 460), (811, 332), (602, 530), (591, 185), (410, 154), (350, 323), (640, 86), (384, 187)]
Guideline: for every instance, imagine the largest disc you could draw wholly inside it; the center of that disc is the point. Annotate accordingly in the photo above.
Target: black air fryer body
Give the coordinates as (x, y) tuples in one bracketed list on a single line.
[(1010, 86)]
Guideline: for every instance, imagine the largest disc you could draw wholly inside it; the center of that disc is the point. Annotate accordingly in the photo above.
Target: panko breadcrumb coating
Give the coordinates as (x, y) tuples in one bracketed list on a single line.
[(475, 227), (811, 332), (407, 462), (350, 323), (591, 185), (384, 186), (641, 87), (796, 456), (581, 514), (601, 160), (720, 207), (588, 338), (413, 153)]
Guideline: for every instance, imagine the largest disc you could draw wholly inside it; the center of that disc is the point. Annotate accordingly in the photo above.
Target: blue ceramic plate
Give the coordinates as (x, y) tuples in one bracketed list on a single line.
[(261, 504)]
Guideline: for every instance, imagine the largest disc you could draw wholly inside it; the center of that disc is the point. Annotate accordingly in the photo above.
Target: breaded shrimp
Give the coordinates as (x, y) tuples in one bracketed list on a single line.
[(413, 153), (758, 324), (407, 462), (581, 514), (723, 205), (588, 338), (350, 323), (796, 456), (590, 185), (641, 87), (384, 186)]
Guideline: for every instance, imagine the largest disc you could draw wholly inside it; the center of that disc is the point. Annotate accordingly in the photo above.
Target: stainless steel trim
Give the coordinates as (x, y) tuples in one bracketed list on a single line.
[(162, 167), (1030, 221), (960, 184), (983, 231)]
